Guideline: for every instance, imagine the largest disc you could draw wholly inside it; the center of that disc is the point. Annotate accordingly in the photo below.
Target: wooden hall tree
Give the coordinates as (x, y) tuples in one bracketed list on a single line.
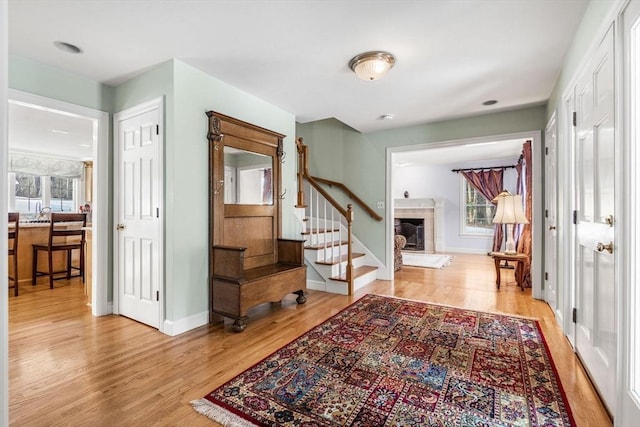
[(249, 262)]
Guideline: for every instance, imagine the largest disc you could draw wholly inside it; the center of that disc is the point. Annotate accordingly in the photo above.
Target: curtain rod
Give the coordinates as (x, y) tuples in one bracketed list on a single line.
[(485, 168)]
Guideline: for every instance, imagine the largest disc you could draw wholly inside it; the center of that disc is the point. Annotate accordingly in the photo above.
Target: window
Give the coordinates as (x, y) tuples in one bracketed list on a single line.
[(32, 193), (477, 212), (61, 194), (28, 193)]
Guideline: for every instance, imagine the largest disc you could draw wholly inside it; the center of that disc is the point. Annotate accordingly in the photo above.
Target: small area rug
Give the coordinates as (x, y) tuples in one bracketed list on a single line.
[(425, 260), (386, 361)]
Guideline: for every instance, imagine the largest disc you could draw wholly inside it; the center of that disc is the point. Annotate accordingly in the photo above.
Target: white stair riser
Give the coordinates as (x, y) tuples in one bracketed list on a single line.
[(337, 287), (319, 238), (364, 280), (325, 253), (334, 270)]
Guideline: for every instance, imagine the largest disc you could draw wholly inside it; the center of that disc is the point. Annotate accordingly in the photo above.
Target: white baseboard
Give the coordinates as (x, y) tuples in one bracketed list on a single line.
[(180, 326), (316, 285), (107, 310)]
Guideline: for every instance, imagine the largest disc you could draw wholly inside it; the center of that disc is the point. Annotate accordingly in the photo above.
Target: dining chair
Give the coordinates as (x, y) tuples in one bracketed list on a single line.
[(66, 233), (12, 243)]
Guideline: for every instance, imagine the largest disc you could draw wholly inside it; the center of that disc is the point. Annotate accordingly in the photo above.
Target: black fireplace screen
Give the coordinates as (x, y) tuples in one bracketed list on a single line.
[(413, 230)]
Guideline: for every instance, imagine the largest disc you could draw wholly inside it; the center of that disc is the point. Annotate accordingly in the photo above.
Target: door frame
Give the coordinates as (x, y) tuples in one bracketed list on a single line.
[(628, 243), (537, 291), (153, 104), (551, 204), (101, 213)]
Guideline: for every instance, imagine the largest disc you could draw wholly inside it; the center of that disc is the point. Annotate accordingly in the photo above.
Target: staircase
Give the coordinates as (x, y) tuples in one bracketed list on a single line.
[(337, 262), (326, 252)]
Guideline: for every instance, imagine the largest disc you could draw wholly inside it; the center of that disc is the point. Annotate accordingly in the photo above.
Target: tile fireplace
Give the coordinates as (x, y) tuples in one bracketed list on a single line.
[(421, 222)]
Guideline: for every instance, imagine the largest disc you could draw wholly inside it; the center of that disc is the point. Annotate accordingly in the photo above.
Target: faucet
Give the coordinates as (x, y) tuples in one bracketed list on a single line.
[(44, 213)]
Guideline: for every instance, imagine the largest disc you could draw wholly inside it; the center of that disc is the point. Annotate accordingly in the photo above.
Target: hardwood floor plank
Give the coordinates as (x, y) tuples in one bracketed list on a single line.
[(69, 368)]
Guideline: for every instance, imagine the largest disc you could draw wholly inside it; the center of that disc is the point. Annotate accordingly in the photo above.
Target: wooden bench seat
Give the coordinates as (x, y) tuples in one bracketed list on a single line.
[(235, 291)]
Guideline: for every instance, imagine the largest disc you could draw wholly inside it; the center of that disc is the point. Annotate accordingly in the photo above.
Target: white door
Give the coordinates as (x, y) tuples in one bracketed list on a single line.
[(137, 220), (595, 281), (551, 292), (629, 397)]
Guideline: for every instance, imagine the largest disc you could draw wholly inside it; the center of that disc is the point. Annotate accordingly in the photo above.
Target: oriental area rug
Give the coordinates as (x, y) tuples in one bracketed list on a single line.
[(386, 361)]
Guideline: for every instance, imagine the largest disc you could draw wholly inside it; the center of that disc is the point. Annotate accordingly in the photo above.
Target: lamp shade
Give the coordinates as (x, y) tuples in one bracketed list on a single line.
[(510, 211), (372, 65)]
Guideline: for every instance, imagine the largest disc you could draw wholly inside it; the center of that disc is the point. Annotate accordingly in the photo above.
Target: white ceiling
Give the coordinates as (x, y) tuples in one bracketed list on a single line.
[(496, 151), (40, 131), (451, 55)]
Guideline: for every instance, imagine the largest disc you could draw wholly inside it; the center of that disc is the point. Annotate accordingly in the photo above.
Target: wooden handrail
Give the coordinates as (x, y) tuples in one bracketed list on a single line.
[(304, 172), (351, 195)]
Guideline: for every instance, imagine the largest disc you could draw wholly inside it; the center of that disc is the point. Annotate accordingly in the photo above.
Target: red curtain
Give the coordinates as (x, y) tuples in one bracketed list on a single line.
[(524, 188), (489, 184)]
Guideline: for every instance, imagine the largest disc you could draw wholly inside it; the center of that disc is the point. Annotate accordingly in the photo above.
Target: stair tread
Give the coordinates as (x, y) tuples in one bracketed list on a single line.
[(337, 260), (357, 272), (322, 245), (320, 230)]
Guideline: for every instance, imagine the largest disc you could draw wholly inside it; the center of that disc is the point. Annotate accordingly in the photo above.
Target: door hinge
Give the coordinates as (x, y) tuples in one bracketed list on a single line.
[(546, 213), (546, 151), (157, 295), (157, 129), (157, 212), (575, 217), (546, 275), (575, 119), (574, 315)]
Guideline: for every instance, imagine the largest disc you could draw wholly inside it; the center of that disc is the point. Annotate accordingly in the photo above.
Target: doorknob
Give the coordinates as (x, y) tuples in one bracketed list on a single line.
[(608, 247), (609, 220), (120, 227), (552, 227)]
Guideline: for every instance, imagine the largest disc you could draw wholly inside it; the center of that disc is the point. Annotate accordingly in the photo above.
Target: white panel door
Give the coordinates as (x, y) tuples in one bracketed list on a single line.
[(137, 222), (629, 397), (551, 292), (595, 281)]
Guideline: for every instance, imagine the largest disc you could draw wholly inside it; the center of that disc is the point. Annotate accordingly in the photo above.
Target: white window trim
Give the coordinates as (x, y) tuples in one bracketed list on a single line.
[(463, 215), (46, 192)]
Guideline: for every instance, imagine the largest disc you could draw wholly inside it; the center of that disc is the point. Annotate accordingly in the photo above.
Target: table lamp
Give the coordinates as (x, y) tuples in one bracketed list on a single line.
[(509, 212)]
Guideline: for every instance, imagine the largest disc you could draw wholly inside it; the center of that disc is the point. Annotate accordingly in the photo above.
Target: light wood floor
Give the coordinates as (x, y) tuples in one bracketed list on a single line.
[(69, 368)]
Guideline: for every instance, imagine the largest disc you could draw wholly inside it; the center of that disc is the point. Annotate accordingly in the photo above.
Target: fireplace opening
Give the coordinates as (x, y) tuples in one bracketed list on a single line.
[(413, 230)]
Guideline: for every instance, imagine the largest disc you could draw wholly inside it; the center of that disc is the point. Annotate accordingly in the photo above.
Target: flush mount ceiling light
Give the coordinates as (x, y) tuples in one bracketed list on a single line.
[(372, 65), (67, 47)]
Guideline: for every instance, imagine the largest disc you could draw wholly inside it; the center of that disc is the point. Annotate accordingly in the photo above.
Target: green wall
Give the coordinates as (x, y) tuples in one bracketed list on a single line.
[(189, 93), (29, 76), (590, 30), (340, 153), (187, 177)]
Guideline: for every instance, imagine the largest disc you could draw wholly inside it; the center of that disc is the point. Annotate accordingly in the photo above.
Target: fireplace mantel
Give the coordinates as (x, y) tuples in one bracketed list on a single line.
[(431, 209), (427, 203)]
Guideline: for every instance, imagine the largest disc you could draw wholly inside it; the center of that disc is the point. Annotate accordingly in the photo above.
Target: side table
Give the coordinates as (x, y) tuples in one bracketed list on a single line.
[(520, 259)]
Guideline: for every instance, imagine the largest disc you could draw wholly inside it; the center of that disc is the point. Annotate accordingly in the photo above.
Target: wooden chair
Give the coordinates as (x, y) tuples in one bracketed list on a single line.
[(66, 233), (14, 228)]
